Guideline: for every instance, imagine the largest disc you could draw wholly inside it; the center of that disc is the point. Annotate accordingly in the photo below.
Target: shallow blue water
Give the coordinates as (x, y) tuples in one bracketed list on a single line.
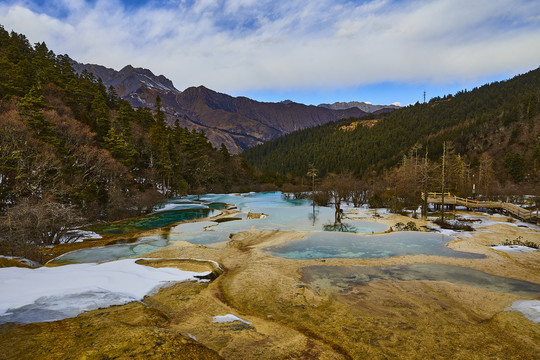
[(282, 214), (346, 245), (137, 247), (153, 221), (297, 218), (250, 201), (112, 252)]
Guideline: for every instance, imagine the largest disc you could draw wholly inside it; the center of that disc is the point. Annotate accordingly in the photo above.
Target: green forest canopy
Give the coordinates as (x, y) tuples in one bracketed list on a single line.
[(499, 120), (67, 140)]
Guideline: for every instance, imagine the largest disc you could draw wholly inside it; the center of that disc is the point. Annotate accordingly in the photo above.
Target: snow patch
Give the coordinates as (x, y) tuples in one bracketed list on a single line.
[(212, 261), (79, 236), (529, 308), (55, 293), (179, 206), (450, 232), (513, 248), (229, 318)]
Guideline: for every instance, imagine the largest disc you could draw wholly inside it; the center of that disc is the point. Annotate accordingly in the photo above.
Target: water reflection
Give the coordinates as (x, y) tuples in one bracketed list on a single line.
[(341, 227), (346, 245), (283, 214), (344, 278), (312, 216)]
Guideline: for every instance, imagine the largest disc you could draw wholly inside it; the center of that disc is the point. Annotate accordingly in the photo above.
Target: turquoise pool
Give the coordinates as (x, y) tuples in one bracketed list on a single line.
[(346, 245)]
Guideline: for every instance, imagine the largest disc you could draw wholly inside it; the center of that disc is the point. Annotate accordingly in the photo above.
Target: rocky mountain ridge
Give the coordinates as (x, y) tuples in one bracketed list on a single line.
[(364, 106), (128, 79), (237, 122)]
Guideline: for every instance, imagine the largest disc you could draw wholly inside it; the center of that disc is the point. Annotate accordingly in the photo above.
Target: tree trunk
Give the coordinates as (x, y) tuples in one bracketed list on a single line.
[(443, 181)]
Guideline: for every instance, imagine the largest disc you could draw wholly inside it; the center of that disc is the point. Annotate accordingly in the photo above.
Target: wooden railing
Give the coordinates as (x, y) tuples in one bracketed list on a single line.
[(449, 199)]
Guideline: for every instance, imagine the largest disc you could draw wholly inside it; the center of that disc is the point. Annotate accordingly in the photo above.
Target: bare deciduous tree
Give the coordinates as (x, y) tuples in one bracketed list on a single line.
[(33, 223), (339, 188)]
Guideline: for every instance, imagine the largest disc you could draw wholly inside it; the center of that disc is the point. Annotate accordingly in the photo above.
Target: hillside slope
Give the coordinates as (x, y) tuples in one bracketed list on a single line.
[(72, 152), (499, 120)]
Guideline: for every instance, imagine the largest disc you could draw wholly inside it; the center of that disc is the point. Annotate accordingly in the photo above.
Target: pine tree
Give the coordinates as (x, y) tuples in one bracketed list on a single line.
[(32, 106)]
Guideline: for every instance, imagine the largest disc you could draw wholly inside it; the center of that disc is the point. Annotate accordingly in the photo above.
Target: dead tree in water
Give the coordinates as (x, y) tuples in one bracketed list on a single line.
[(313, 173), (339, 188), (424, 183)]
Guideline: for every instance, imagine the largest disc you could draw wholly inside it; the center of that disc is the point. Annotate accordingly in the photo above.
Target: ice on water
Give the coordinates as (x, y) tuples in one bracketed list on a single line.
[(58, 307), (112, 252), (53, 293)]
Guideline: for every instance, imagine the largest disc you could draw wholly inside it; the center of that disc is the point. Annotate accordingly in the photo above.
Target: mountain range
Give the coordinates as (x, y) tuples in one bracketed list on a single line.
[(364, 106), (237, 122)]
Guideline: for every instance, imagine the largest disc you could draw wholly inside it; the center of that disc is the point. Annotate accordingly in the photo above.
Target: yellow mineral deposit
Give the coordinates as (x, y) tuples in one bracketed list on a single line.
[(286, 318)]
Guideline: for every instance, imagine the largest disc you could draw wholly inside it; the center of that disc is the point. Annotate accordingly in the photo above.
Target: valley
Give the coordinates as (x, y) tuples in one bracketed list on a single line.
[(142, 221)]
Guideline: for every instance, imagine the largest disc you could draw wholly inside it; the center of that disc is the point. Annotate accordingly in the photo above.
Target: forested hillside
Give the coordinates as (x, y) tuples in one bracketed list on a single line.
[(497, 124), (72, 152)]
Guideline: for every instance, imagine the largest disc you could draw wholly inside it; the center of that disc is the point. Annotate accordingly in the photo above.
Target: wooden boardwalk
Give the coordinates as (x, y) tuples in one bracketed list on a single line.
[(512, 209)]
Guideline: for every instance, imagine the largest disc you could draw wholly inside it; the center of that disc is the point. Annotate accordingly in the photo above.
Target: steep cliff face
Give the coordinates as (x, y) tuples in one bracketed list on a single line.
[(237, 122)]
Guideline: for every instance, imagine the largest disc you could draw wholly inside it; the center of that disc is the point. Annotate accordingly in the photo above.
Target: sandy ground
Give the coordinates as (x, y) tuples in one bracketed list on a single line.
[(295, 319)]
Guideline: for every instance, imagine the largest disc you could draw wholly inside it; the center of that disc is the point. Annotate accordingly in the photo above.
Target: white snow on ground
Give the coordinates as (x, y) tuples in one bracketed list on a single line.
[(505, 220), (529, 308), (382, 211), (212, 261), (450, 232), (197, 226), (79, 235), (513, 248), (484, 222), (54, 293), (180, 206), (88, 234), (229, 318)]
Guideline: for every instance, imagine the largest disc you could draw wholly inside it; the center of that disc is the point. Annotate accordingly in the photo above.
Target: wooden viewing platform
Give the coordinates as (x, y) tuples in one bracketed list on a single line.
[(514, 210)]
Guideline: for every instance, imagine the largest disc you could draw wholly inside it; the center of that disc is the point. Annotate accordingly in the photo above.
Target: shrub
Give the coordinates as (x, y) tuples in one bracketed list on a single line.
[(519, 241), (454, 225), (411, 226)]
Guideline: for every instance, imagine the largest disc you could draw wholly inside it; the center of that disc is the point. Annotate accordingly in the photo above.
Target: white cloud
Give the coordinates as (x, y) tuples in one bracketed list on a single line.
[(240, 45)]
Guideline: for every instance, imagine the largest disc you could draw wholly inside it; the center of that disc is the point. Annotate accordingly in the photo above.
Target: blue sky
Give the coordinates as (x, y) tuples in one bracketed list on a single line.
[(379, 51)]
